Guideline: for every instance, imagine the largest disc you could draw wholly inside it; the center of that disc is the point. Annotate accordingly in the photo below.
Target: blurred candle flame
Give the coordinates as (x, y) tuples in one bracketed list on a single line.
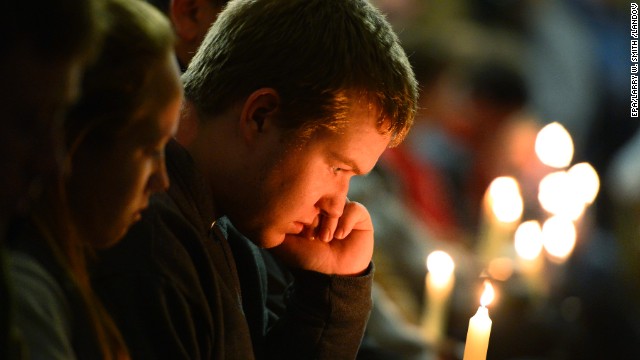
[(528, 240), (488, 294), (440, 266), (559, 194), (559, 237), (554, 146), (585, 178), (505, 200)]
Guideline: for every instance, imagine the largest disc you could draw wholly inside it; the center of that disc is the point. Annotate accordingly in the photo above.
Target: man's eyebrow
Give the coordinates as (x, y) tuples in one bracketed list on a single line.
[(350, 163)]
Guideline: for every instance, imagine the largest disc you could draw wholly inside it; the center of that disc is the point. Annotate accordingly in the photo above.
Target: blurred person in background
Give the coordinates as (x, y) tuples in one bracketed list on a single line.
[(114, 139), (572, 56), (191, 19)]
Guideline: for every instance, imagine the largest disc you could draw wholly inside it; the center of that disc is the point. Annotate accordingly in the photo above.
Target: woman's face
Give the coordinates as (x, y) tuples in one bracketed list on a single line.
[(109, 190)]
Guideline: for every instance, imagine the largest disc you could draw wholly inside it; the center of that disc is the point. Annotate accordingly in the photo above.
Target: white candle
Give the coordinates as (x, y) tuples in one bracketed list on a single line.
[(528, 245), (502, 211), (438, 286), (479, 328)]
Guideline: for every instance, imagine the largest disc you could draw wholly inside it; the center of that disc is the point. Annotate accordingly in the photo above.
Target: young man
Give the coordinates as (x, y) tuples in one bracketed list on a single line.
[(285, 102)]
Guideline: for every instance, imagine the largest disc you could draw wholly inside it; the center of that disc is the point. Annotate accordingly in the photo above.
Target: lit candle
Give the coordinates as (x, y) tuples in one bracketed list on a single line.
[(558, 238), (479, 328), (503, 206), (586, 180), (554, 146), (438, 285), (528, 244), (559, 194)]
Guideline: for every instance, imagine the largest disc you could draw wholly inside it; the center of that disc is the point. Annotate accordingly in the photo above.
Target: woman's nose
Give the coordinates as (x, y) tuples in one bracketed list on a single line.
[(160, 179)]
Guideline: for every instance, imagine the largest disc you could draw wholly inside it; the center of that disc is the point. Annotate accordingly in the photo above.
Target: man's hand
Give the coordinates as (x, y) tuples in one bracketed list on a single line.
[(341, 246)]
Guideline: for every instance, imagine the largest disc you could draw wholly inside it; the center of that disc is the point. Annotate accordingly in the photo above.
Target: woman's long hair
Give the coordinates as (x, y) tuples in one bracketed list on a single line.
[(51, 216)]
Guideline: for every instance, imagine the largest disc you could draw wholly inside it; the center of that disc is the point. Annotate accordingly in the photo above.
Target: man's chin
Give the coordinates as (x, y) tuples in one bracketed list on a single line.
[(268, 241), (262, 236)]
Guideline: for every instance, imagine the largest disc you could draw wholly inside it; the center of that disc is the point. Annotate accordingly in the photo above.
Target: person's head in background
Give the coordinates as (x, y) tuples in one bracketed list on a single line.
[(117, 132), (488, 121), (44, 46), (296, 97), (492, 91), (191, 20), (431, 61)]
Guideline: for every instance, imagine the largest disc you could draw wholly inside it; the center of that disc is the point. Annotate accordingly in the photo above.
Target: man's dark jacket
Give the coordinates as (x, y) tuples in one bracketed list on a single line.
[(185, 285)]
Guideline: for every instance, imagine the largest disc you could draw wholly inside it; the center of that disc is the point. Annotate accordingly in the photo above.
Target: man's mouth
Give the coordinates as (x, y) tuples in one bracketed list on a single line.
[(311, 230)]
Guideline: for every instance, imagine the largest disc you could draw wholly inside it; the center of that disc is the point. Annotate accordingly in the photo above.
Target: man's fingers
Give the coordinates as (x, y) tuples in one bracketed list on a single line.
[(327, 228), (355, 216)]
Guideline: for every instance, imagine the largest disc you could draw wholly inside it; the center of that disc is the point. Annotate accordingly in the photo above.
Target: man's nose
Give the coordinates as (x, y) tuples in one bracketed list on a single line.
[(333, 203)]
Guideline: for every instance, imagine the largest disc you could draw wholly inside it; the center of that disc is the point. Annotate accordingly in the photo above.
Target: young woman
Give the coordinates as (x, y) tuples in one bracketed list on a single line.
[(40, 72), (115, 139)]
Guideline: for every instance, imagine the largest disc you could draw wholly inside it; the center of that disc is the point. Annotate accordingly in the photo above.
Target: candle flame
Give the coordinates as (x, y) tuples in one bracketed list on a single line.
[(559, 237), (554, 146), (560, 194), (528, 240), (488, 294), (440, 265), (586, 180), (505, 199)]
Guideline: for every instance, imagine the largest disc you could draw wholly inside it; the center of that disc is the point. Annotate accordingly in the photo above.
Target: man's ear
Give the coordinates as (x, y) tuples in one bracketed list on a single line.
[(259, 113)]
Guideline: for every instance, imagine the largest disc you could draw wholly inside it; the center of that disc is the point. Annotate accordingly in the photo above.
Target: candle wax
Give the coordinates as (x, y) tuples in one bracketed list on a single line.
[(436, 306), (478, 335)]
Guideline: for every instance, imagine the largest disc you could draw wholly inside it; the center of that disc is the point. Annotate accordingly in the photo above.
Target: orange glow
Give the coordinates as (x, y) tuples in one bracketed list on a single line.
[(500, 268)]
